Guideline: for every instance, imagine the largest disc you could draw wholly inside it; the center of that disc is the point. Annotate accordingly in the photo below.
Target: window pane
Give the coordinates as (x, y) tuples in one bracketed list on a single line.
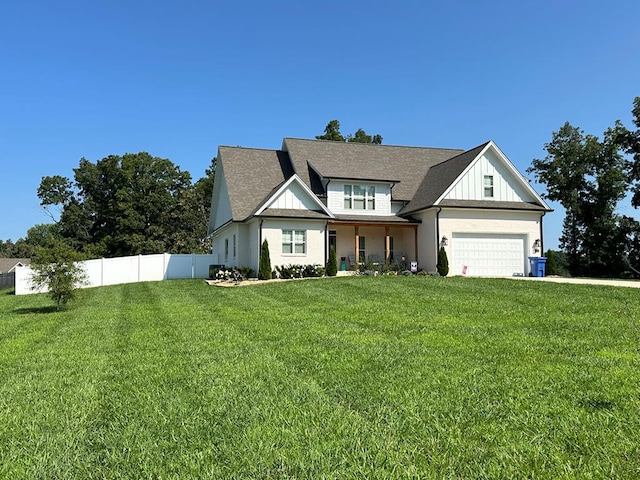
[(347, 197), (358, 203), (358, 191), (287, 241), (488, 185), (371, 191), (300, 248)]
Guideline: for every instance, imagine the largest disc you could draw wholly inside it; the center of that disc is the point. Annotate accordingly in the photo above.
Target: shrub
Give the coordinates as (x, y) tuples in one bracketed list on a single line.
[(552, 265), (246, 272), (332, 264), (57, 269), (264, 269), (299, 271), (443, 262)]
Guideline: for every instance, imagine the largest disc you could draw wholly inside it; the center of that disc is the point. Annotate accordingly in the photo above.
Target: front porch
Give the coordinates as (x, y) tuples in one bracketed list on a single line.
[(358, 244)]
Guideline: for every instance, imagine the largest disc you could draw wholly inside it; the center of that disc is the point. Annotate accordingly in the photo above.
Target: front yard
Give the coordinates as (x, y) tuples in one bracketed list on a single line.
[(350, 377)]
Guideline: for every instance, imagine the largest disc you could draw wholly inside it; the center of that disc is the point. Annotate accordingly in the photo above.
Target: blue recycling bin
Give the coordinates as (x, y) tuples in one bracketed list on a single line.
[(537, 266)]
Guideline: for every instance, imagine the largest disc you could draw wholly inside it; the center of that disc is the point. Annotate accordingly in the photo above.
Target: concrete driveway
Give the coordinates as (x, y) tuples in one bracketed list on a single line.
[(586, 281)]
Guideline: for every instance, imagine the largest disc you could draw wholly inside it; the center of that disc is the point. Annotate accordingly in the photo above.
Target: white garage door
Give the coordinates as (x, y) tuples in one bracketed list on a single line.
[(488, 255)]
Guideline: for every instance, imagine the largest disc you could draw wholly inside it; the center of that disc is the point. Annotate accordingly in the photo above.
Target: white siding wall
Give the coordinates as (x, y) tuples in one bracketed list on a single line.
[(315, 248), (218, 245), (335, 199), (220, 206), (294, 197), (505, 186), (427, 243)]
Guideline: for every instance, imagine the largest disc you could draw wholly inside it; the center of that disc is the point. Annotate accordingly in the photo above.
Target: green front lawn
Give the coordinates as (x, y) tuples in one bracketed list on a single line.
[(350, 377)]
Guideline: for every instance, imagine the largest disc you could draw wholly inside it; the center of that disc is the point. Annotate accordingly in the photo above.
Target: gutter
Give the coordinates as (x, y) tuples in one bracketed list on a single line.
[(541, 235)]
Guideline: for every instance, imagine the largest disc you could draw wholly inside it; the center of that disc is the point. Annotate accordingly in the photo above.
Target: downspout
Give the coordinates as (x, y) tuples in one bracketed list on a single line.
[(326, 225), (260, 242), (541, 235), (438, 233)]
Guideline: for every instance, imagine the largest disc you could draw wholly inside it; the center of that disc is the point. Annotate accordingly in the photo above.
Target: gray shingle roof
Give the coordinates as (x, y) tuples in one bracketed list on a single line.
[(439, 178), (420, 175), (7, 264), (358, 161), (374, 219), (293, 213), (492, 205), (252, 176)]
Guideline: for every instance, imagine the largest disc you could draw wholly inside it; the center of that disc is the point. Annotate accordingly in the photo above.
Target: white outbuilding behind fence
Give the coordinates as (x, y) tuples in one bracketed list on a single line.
[(139, 268)]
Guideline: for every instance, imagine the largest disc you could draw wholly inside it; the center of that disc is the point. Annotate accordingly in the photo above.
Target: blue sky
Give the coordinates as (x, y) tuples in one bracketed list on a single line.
[(177, 79)]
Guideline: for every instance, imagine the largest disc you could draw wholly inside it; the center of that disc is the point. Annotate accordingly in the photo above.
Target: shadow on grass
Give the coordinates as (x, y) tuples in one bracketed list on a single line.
[(32, 310)]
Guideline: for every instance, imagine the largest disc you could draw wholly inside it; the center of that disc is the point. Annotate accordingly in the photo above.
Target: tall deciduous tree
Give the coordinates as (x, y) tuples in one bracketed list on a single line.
[(127, 205), (588, 176)]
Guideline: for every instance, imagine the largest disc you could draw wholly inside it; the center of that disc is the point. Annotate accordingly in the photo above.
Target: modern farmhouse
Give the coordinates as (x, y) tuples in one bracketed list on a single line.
[(375, 203)]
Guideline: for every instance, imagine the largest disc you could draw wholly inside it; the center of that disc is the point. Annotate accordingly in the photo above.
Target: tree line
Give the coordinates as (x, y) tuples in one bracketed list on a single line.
[(590, 177)]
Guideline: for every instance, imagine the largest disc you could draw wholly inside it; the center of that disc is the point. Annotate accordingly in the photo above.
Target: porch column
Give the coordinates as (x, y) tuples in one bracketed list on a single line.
[(357, 241), (387, 245), (415, 241)]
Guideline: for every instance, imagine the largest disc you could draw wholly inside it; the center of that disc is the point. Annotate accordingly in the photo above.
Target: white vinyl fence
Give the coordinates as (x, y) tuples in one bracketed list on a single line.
[(139, 268)]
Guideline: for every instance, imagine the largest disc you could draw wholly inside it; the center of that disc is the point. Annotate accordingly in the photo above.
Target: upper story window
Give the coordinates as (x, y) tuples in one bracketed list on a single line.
[(488, 186), (359, 197), (294, 241)]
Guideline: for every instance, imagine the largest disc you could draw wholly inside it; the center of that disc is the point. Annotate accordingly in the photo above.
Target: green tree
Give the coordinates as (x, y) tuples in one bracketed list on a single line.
[(588, 177), (264, 269), (128, 205), (332, 263), (58, 269), (442, 265), (631, 144), (332, 132)]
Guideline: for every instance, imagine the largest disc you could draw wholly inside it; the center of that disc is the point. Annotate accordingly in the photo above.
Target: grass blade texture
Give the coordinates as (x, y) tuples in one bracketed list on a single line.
[(348, 377)]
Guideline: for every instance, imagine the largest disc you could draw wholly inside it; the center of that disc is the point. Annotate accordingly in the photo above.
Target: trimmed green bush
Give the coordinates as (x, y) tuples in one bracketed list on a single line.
[(552, 265), (332, 264), (443, 263), (264, 269)]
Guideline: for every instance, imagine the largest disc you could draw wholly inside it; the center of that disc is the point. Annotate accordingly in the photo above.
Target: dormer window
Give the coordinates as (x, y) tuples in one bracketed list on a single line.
[(359, 197), (488, 186)]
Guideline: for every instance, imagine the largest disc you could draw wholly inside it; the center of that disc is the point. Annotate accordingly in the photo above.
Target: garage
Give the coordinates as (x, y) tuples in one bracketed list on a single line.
[(488, 255)]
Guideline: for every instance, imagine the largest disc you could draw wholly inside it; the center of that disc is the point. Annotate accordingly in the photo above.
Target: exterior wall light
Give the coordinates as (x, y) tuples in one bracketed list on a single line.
[(444, 242), (536, 245)]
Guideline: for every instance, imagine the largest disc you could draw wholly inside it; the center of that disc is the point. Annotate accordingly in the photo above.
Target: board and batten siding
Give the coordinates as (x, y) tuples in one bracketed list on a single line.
[(220, 205), (506, 187), (335, 198), (295, 198)]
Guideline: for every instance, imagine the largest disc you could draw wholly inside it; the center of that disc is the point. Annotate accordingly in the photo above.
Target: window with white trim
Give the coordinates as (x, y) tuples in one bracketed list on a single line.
[(226, 249), (488, 186), (359, 197), (294, 242), (234, 245)]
